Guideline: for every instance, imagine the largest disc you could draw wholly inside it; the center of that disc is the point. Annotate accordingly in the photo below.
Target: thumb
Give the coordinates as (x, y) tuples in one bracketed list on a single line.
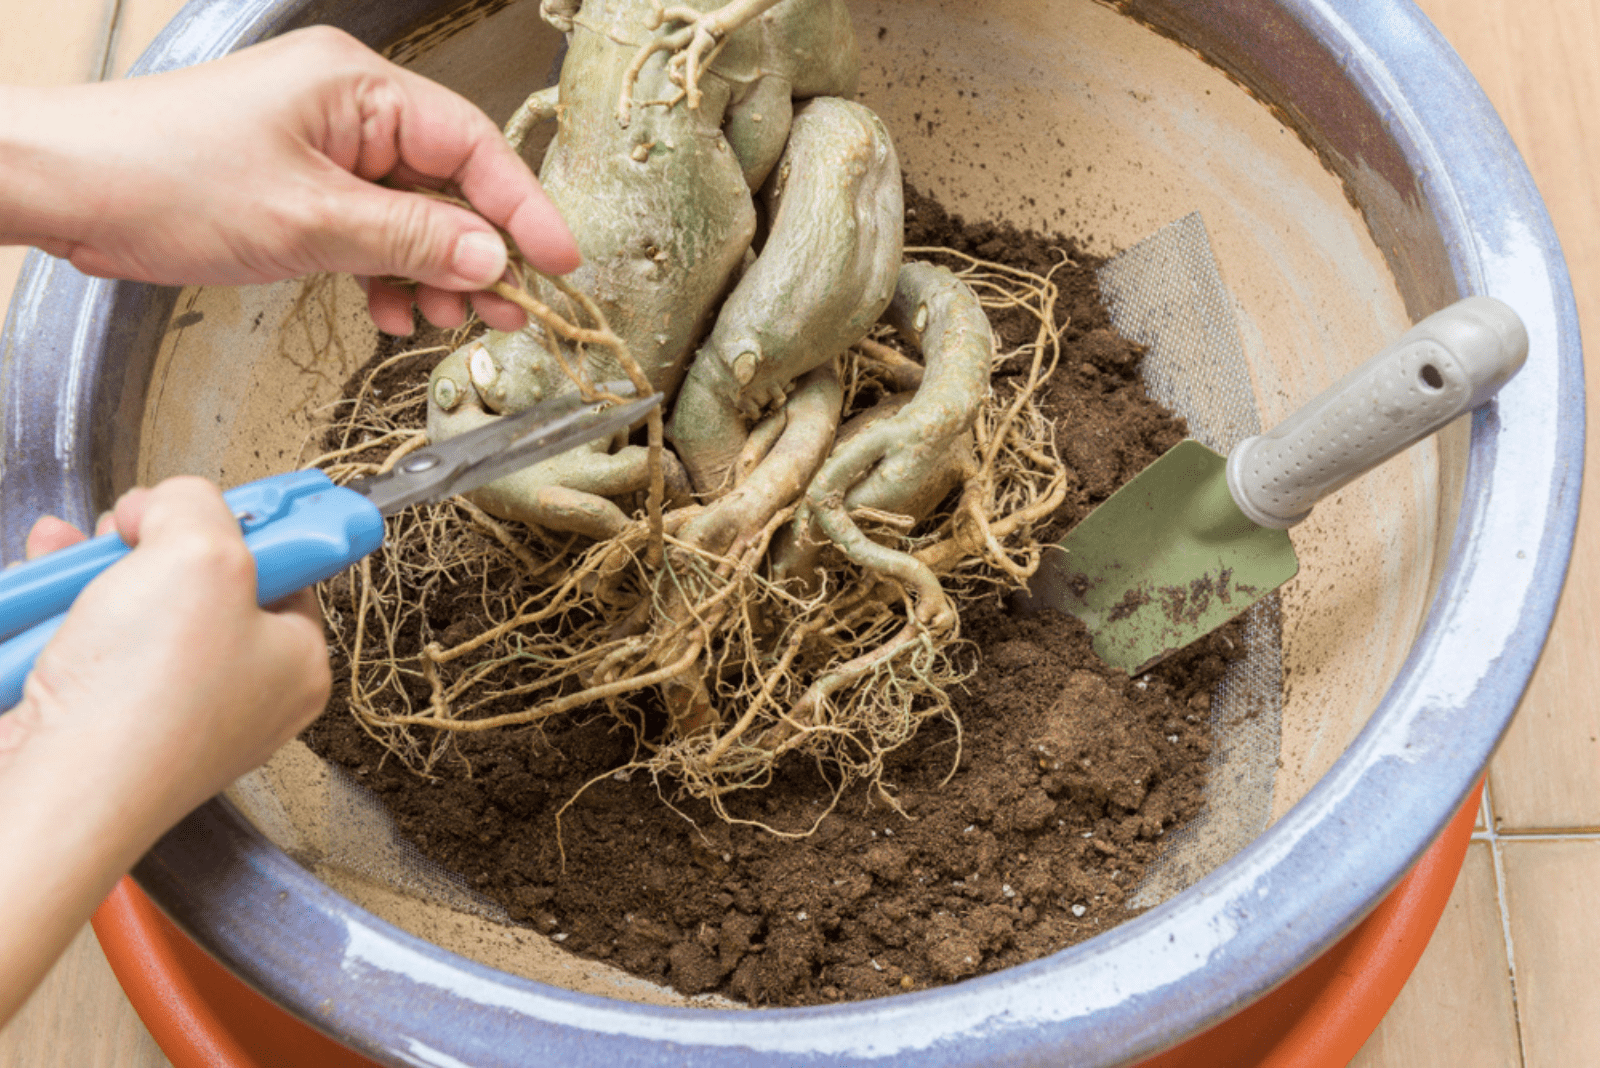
[(379, 231)]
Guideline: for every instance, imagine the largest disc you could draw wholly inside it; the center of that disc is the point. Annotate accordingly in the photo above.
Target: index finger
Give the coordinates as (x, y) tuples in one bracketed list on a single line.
[(177, 505), (443, 135)]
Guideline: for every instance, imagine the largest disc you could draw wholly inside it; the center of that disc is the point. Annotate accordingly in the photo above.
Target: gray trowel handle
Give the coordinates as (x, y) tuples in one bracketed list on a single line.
[(1449, 363)]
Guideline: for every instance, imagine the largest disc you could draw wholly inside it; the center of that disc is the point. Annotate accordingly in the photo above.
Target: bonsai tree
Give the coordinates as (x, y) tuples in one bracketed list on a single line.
[(766, 562)]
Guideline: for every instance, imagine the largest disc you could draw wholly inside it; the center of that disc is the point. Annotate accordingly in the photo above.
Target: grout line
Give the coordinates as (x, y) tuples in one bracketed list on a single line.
[(108, 43), (1491, 835)]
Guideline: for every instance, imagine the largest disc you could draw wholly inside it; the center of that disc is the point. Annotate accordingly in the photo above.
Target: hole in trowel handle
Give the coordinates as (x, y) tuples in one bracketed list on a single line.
[(1431, 378)]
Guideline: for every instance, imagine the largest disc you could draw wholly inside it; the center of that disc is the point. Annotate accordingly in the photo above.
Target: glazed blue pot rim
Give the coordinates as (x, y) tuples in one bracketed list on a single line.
[(1123, 996)]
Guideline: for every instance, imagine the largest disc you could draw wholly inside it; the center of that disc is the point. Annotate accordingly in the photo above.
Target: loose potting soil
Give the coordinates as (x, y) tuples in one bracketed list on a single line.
[(1069, 774)]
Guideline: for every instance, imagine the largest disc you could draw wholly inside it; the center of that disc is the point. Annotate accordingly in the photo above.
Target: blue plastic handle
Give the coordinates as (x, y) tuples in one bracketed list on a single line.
[(300, 527), (47, 586)]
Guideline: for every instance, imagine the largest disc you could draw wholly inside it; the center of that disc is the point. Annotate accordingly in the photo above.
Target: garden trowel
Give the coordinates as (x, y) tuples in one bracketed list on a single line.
[(1197, 538)]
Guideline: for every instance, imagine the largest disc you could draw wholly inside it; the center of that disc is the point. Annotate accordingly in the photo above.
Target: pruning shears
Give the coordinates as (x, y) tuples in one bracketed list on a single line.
[(302, 528)]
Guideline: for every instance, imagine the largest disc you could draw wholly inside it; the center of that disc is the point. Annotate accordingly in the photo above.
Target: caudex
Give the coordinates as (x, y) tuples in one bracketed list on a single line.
[(776, 563)]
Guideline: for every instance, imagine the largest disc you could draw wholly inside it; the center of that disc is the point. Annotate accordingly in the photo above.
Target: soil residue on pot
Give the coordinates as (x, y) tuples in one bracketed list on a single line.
[(1020, 834)]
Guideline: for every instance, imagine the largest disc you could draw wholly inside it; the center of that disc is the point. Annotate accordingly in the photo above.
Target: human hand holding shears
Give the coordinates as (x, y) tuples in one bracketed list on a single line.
[(301, 528)]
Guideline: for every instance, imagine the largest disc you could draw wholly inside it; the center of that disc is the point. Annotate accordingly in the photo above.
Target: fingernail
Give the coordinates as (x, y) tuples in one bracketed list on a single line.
[(480, 258)]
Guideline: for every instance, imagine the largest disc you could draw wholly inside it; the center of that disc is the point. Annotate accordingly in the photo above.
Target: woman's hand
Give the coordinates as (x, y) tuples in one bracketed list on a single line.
[(264, 165), (168, 651), (165, 683)]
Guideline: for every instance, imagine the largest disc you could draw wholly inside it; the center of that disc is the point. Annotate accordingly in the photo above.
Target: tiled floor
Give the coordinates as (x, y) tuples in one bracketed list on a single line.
[(1511, 976)]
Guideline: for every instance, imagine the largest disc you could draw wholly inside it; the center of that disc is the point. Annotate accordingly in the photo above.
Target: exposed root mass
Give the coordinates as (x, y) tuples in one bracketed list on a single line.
[(720, 661)]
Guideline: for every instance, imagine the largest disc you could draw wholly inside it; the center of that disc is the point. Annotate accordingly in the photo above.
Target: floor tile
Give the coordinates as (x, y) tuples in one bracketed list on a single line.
[(79, 1018), (56, 43), (1462, 978), (1555, 935), (1546, 775)]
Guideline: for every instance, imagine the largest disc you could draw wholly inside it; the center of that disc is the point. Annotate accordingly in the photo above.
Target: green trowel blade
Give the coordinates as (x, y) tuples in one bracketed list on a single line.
[(1164, 561)]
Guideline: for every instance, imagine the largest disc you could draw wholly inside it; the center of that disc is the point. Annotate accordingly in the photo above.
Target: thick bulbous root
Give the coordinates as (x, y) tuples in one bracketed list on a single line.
[(560, 13), (821, 281), (893, 463), (502, 373), (902, 460), (570, 493)]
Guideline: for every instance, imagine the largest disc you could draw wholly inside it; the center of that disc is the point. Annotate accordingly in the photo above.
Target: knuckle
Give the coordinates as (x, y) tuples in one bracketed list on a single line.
[(330, 42), (186, 494), (225, 558), (211, 556), (188, 484)]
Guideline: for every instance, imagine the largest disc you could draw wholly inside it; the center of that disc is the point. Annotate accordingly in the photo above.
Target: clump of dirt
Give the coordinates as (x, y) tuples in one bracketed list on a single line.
[(1017, 834)]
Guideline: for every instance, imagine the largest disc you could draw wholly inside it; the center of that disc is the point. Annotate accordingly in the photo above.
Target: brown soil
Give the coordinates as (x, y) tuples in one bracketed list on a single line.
[(1069, 774)]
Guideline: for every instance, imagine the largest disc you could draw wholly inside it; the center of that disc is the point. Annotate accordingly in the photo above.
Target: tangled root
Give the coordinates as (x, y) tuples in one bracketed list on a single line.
[(464, 623)]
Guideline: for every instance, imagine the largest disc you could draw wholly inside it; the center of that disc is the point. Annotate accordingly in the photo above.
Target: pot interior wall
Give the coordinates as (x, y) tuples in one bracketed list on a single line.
[(1061, 115)]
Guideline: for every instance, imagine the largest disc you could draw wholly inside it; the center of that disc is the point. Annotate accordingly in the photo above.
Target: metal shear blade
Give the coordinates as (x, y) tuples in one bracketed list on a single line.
[(480, 456)]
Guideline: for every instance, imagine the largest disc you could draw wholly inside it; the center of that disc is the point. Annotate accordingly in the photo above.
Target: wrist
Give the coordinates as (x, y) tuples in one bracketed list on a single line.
[(71, 830), (44, 198), (89, 791)]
